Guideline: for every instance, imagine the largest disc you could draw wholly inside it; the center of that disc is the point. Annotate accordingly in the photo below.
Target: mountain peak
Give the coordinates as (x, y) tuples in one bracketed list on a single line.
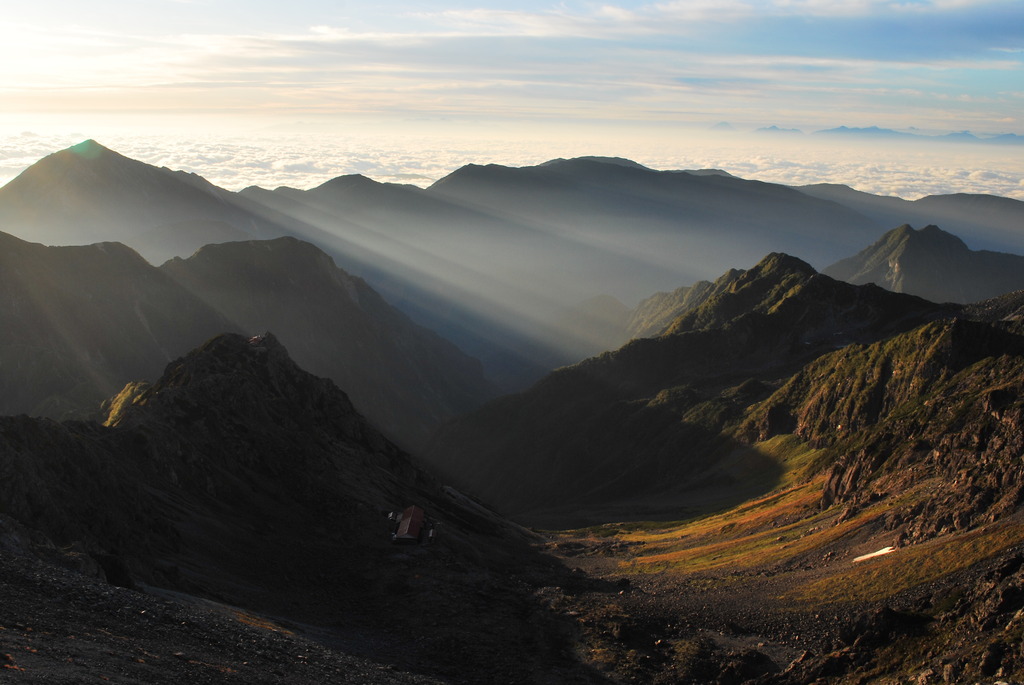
[(348, 182), (615, 161), (930, 237), (933, 233), (780, 262), (773, 279), (88, 149), (923, 262), (231, 371)]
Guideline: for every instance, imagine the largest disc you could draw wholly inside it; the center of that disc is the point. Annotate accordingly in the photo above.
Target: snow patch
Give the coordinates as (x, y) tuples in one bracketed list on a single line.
[(884, 550)]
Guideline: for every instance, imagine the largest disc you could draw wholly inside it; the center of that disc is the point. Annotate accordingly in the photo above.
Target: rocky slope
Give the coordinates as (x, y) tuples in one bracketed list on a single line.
[(932, 264), (885, 546), (654, 314), (939, 405), (889, 552), (60, 623), (240, 478)]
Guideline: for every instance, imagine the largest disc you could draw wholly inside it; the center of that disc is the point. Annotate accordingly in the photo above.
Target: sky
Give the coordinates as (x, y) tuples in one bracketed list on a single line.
[(411, 90)]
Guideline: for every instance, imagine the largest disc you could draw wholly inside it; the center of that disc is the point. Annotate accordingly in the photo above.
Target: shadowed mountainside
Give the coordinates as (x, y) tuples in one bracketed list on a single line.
[(645, 423), (238, 477), (933, 264), (80, 322), (76, 323), (406, 378)]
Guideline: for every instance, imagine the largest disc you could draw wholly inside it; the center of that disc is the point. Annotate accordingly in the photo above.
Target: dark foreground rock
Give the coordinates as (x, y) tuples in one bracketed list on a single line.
[(241, 480), (59, 625)]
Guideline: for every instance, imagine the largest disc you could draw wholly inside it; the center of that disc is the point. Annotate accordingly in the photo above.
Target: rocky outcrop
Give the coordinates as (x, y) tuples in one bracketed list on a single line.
[(943, 404), (655, 313), (77, 323)]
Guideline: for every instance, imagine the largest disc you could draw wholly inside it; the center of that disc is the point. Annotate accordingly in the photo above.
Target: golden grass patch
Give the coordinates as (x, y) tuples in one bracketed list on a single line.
[(884, 576)]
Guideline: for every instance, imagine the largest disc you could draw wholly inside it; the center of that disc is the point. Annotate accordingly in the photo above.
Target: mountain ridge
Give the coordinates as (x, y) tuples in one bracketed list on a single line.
[(79, 322), (407, 378), (615, 418), (494, 265), (88, 193)]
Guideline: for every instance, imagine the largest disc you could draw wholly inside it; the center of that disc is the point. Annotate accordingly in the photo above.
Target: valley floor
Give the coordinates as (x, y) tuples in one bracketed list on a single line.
[(786, 612)]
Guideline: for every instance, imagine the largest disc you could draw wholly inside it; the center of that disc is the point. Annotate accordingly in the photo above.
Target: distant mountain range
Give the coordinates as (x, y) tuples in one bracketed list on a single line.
[(986, 222), (497, 260), (491, 256), (887, 133)]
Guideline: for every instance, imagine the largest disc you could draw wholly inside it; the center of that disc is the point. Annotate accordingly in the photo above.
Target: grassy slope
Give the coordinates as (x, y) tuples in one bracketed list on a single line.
[(785, 557)]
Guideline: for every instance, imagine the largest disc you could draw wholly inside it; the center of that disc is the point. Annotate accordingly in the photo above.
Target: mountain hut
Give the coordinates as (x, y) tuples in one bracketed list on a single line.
[(411, 527)]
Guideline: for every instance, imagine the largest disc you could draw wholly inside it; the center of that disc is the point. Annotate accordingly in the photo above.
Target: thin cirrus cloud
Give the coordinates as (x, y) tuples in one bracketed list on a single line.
[(950, 64)]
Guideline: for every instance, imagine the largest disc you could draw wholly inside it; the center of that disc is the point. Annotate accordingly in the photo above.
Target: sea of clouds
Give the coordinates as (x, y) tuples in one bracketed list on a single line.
[(305, 160)]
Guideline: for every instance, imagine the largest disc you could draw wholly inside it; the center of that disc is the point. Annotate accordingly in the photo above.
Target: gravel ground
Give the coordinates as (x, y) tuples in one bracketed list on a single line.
[(60, 626)]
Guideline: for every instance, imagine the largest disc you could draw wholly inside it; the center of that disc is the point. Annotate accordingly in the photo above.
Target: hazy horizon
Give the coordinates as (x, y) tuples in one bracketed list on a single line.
[(271, 158), (295, 94)]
